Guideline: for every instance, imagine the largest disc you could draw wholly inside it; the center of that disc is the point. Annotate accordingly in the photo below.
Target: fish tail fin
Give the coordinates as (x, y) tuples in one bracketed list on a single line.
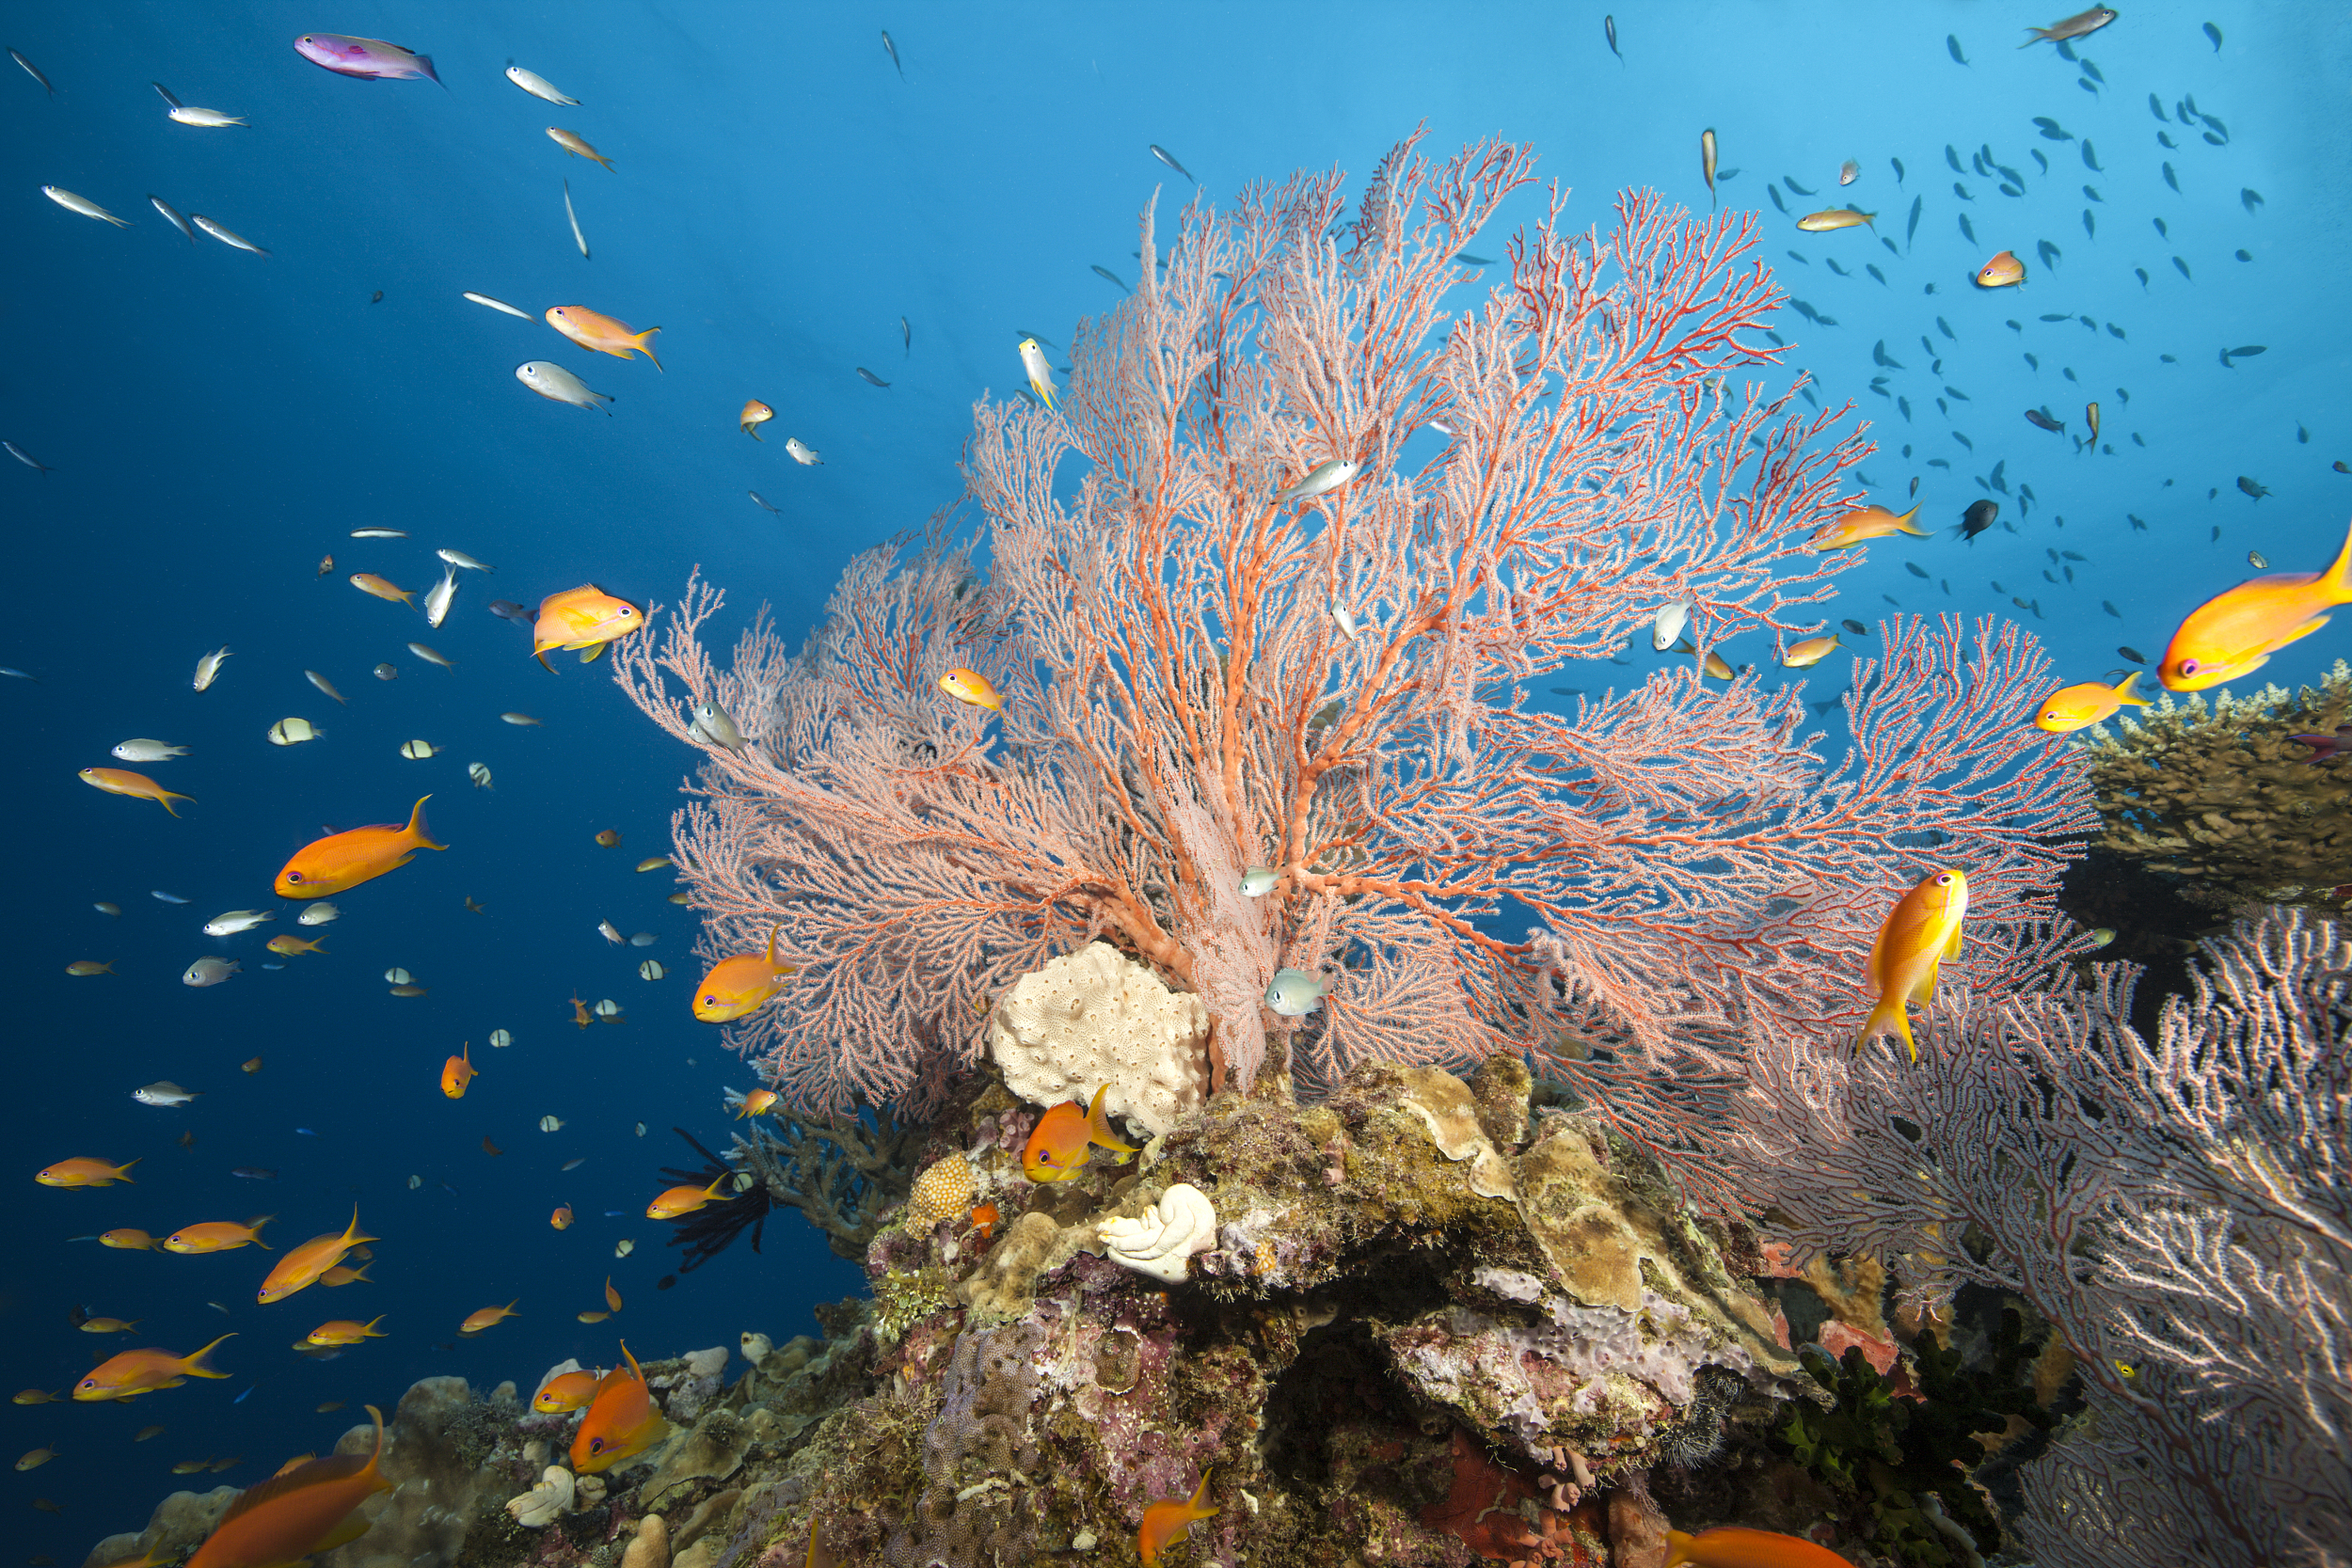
[(424, 62), (125, 1173), (195, 1365), (417, 832), (646, 349), (165, 797), (2123, 693), (254, 1228), (1099, 1130), (1905, 523), (2337, 579), (353, 1235), (1677, 1548), (1888, 1017), (539, 652), (711, 1191)]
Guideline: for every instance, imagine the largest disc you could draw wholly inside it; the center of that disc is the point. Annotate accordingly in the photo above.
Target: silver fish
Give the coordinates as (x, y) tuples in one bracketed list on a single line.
[(438, 597), (1323, 478), (82, 205), (164, 1091), (188, 114), (762, 500), (167, 897), (888, 48), (501, 1039), (379, 533), (610, 933), (33, 70), (651, 970), (209, 971), (643, 938), (485, 299), (323, 684), (1258, 880), (417, 750), (226, 236), (556, 383), (577, 238), (536, 84), (237, 920), (871, 379), (802, 452), (1667, 628), (1706, 163), (320, 913), (148, 751), (480, 773), (429, 656), (1294, 994), (25, 457), (1348, 623), (208, 667), (459, 557), (714, 725), (293, 731), (177, 221), (1164, 155), (518, 717)]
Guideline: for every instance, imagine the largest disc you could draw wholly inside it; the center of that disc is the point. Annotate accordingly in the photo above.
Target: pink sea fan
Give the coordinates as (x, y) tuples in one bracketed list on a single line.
[(1200, 677)]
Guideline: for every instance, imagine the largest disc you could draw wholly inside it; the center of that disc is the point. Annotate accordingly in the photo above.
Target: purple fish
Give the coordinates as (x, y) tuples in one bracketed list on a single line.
[(369, 59), (2328, 748)]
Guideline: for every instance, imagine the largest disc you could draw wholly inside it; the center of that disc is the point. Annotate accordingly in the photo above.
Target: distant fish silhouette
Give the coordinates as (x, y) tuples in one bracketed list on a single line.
[(871, 379), (1106, 271)]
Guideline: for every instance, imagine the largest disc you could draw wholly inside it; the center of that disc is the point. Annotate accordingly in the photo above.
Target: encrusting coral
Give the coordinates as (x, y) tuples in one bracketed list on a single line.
[(1096, 1017), (2222, 794)]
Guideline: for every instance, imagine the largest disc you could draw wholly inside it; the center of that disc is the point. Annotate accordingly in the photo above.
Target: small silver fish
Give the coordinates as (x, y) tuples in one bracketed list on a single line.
[(1322, 479), (713, 725), (417, 750), (208, 667), (429, 656), (550, 1124), (507, 610), (459, 557), (651, 970), (888, 48), (871, 379), (164, 1091), (320, 913), (761, 499), (226, 236), (1847, 172), (323, 685), (177, 221), (802, 452), (82, 205), (24, 458), (537, 85), (1706, 163), (379, 533), (1164, 155), (610, 933), (102, 908), (148, 751), (2255, 559), (577, 238), (518, 717), (438, 597), (387, 671), (483, 299), (1294, 994), (573, 1164), (501, 1039), (209, 971), (167, 897), (480, 773), (556, 383), (33, 70), (188, 114), (1258, 880), (237, 920), (293, 731), (1348, 623), (1667, 628), (643, 938)]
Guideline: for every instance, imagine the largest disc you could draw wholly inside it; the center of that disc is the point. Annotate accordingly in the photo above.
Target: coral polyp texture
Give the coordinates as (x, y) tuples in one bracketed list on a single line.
[(1097, 1018), (1269, 588)]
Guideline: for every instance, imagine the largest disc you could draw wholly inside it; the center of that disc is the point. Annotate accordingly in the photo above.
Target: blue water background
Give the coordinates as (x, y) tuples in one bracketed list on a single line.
[(780, 197)]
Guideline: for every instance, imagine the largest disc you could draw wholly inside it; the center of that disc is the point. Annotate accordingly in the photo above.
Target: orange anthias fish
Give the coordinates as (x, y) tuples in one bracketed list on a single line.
[(291, 944), (457, 1073), (344, 1274), (612, 1296), (2001, 272), (756, 1104), (302, 1267), (341, 862), (1731, 1546), (756, 414), (343, 1331), (582, 617), (309, 1508), (561, 1218), (1065, 1138), (217, 1236), (84, 1173), (621, 1423), (579, 1013), (741, 986), (142, 1371), (1921, 931), (2075, 707), (134, 1240), (969, 685), (685, 1200), (368, 582), (564, 1392), (1168, 1521), (1861, 524), (122, 781), (601, 333), (2235, 633), (476, 1322)]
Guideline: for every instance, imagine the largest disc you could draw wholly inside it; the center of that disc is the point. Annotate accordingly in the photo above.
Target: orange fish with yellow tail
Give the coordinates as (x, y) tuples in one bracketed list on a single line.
[(622, 1421), (1733, 1547), (1065, 1138), (1168, 1521), (685, 1200), (142, 1371), (969, 685), (1921, 931), (457, 1073), (601, 333), (741, 986), (565, 1393), (341, 862), (84, 1172), (1860, 524), (308, 1508), (217, 1236), (347, 1331), (122, 781), (2234, 634), (303, 1267), (2004, 271), (582, 617), (2077, 707), (476, 1322)]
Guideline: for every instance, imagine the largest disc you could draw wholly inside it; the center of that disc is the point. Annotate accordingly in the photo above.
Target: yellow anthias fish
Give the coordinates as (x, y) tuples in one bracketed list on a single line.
[(756, 414), (1171, 1520), (622, 1421), (741, 986), (601, 333), (969, 685), (458, 1073), (142, 1371), (477, 1322), (2234, 634), (2004, 271), (1734, 1546), (1065, 1138), (122, 781), (576, 145), (1041, 374), (2075, 707), (1833, 218), (1921, 931), (291, 944), (342, 860), (1861, 524), (1804, 655), (345, 1331), (217, 1236), (582, 617), (302, 1267), (310, 1506), (564, 1392), (677, 1201), (83, 1171), (758, 1103)]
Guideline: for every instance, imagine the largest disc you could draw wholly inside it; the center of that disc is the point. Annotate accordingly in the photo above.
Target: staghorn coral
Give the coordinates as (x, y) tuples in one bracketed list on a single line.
[(2224, 795)]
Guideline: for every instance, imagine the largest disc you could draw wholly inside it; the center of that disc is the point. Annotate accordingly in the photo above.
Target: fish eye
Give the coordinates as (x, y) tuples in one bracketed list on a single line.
[(1944, 879), (2189, 667), (293, 876)]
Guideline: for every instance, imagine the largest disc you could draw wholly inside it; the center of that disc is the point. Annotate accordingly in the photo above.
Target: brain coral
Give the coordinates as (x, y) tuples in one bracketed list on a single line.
[(1095, 1017)]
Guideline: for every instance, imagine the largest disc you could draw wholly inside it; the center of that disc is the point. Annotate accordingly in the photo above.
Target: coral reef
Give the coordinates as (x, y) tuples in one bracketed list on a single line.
[(2223, 794), (843, 1171), (1097, 1018)]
